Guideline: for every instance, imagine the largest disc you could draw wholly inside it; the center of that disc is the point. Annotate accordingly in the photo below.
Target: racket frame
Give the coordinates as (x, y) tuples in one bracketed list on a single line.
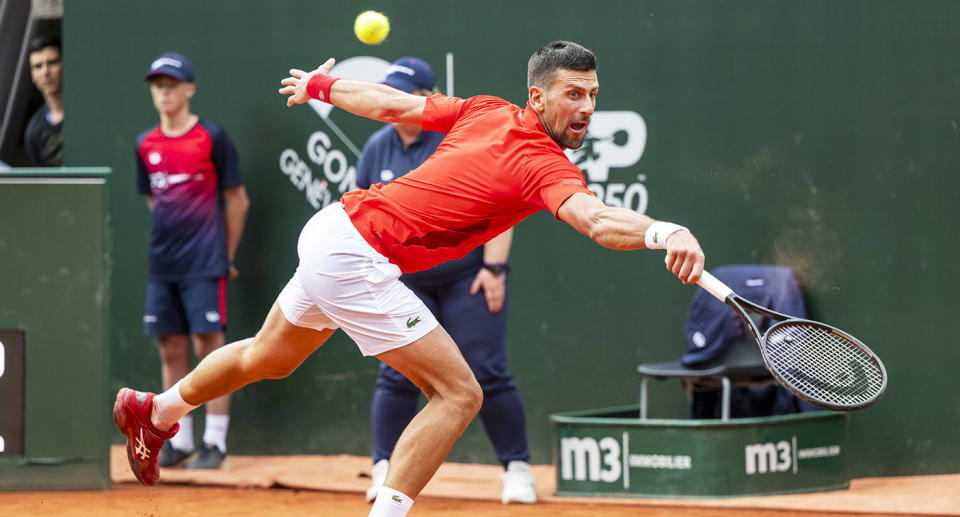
[(739, 305)]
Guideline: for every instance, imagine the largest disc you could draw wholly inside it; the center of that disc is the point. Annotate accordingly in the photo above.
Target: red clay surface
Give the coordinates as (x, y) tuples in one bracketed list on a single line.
[(134, 500), (333, 485)]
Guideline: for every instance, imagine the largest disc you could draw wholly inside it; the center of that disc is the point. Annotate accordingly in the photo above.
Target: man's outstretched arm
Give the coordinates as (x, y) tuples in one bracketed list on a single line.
[(370, 100), (623, 229)]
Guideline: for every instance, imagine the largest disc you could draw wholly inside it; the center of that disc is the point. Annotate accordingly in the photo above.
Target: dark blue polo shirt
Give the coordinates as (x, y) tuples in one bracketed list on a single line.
[(383, 160)]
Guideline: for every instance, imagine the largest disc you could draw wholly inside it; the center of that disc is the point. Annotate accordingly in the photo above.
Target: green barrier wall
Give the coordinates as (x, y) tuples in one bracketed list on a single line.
[(821, 135), (55, 285)]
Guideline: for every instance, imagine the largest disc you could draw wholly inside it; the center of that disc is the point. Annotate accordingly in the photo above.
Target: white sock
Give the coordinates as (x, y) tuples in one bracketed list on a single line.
[(183, 440), (215, 431), (168, 407), (390, 503)]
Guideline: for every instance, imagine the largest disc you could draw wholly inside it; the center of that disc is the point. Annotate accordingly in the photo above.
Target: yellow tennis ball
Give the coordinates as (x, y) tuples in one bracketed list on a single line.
[(371, 27)]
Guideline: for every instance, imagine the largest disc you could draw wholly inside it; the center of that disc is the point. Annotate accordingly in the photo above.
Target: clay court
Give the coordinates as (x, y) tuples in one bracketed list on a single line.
[(333, 485)]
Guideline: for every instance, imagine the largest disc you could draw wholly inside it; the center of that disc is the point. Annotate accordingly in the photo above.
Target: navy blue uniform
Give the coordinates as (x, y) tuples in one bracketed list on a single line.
[(44, 139), (445, 290), (186, 288)]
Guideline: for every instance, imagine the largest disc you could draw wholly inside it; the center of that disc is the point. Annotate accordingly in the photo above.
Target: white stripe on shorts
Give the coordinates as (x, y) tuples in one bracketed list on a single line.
[(343, 282)]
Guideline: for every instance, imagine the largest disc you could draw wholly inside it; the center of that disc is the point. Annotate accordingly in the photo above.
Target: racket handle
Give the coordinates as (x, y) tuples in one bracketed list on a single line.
[(715, 287)]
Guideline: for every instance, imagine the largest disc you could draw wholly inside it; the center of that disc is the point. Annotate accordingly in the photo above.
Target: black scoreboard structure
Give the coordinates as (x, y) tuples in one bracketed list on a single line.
[(12, 363)]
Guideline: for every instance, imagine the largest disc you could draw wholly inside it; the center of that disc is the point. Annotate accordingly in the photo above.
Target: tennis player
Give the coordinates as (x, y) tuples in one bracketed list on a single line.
[(497, 165)]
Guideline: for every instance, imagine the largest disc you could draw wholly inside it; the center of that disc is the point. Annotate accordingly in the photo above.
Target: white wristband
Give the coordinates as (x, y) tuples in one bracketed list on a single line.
[(657, 233)]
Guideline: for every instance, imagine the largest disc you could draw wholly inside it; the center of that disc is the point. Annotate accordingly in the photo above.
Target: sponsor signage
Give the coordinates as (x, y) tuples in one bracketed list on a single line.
[(605, 452)]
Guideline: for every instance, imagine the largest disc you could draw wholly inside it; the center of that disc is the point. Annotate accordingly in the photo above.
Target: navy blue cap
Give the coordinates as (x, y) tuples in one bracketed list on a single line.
[(172, 64), (409, 74)]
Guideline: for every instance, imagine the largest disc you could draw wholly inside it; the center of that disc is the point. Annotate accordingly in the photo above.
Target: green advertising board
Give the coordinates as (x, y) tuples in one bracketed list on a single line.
[(610, 452), (55, 285)]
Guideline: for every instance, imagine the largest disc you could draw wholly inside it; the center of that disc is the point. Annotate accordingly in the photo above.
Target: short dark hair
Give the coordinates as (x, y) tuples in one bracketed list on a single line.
[(39, 43), (559, 55)]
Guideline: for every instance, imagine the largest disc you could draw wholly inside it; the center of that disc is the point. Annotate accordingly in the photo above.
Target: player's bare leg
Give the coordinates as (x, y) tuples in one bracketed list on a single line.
[(174, 365), (148, 420), (433, 363), (274, 353), (203, 345)]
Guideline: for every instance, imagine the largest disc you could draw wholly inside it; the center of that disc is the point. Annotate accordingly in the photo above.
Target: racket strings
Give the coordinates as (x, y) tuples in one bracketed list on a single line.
[(824, 364)]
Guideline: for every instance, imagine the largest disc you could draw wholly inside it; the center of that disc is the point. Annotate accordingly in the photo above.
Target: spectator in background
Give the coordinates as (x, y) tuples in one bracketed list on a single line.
[(184, 165), (43, 136), (476, 321)]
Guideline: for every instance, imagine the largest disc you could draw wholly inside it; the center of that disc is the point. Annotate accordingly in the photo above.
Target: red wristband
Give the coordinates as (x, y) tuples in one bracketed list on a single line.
[(319, 87)]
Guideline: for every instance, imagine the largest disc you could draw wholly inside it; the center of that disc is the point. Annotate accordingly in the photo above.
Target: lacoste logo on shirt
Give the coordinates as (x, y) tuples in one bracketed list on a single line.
[(412, 321)]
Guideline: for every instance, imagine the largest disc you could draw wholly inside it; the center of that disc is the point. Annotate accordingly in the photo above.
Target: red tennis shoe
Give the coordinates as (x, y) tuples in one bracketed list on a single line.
[(132, 415)]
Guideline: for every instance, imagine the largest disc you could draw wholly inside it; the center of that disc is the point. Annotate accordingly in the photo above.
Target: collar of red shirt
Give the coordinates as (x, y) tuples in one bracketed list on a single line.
[(530, 120)]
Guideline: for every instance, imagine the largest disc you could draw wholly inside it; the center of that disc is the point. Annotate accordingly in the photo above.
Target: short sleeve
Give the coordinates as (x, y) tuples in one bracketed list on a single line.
[(557, 184), (143, 179), (143, 184), (226, 161), (441, 112)]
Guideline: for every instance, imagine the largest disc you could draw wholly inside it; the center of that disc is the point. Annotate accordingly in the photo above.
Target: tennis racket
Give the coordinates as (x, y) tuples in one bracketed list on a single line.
[(820, 364)]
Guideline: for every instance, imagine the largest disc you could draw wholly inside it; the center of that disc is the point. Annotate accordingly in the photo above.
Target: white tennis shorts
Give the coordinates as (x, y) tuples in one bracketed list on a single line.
[(343, 282)]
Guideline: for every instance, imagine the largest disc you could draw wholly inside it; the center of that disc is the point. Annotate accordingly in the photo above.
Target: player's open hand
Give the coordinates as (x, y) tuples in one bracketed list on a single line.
[(296, 85), (494, 289), (684, 256)]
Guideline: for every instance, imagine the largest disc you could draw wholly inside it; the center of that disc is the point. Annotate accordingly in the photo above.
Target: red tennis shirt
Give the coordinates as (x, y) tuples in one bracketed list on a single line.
[(495, 167)]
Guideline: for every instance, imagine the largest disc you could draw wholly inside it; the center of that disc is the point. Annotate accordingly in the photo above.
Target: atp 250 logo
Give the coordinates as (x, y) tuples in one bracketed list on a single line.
[(615, 139)]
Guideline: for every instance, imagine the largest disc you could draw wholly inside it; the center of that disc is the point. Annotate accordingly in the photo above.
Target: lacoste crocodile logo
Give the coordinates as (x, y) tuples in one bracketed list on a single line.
[(411, 322), (397, 499)]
